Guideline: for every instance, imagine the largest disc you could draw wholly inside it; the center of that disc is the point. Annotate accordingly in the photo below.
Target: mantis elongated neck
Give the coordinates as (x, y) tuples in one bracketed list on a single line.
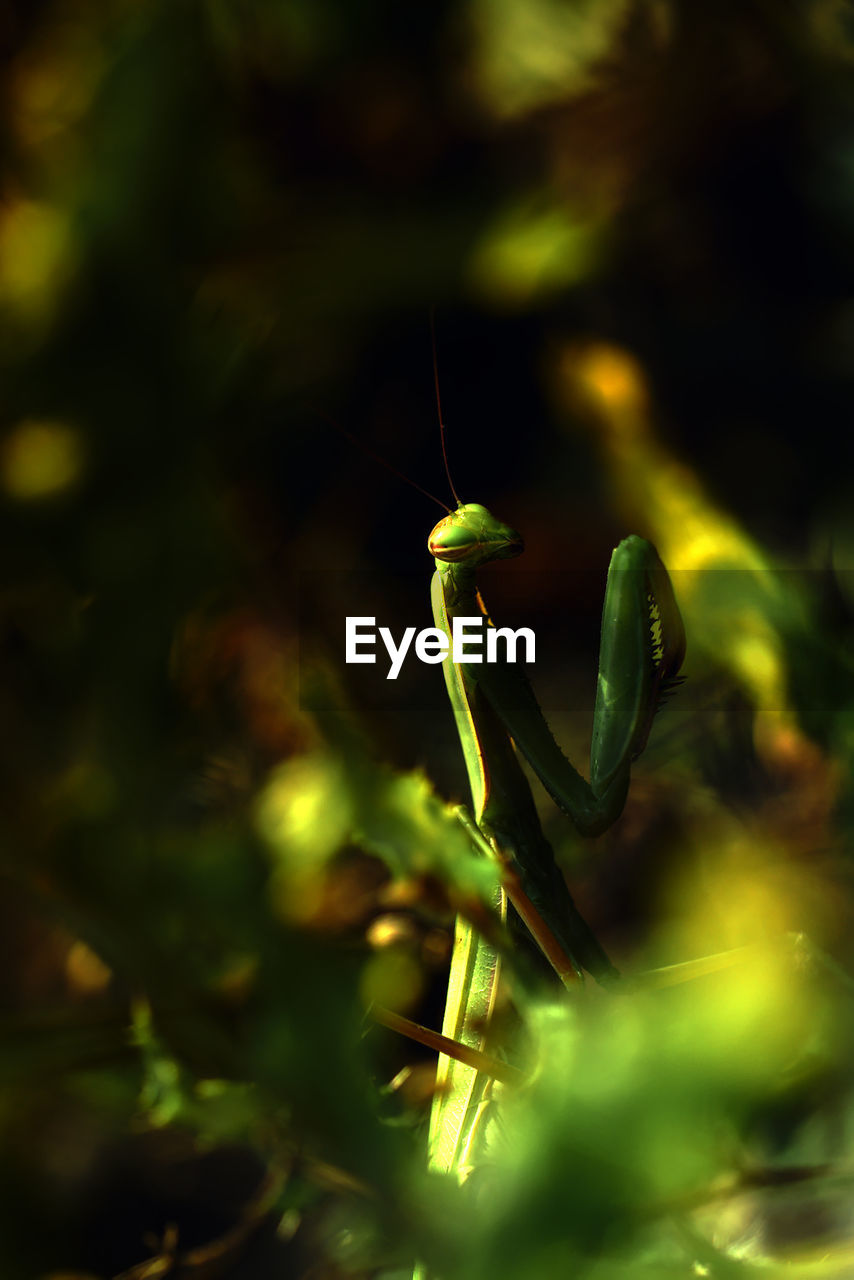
[(460, 587)]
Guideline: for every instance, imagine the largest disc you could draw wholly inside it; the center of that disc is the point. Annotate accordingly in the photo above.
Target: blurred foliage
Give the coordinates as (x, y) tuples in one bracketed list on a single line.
[(223, 223)]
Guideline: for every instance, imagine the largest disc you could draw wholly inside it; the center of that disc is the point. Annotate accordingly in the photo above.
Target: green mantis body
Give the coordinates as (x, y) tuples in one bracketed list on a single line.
[(642, 648)]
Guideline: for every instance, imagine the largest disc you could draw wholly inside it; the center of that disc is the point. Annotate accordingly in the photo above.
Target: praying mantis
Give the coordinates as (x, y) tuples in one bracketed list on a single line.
[(498, 720), (641, 651)]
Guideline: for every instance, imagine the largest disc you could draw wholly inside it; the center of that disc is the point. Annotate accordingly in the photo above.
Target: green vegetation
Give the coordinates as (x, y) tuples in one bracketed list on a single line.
[(222, 225)]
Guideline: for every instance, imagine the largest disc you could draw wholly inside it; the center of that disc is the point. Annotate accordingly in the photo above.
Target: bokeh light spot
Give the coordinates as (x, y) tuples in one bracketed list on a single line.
[(531, 250), (85, 971), (35, 254), (392, 977), (40, 460)]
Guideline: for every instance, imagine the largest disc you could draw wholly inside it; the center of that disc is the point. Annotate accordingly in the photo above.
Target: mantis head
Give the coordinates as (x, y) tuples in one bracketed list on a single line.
[(472, 536)]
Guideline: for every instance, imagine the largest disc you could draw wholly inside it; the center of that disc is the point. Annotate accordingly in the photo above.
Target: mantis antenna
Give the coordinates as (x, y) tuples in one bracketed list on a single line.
[(377, 457), (439, 405)]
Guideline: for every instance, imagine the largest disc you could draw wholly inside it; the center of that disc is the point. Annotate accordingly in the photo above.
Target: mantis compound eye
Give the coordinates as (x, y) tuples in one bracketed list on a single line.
[(452, 541), (471, 533)]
